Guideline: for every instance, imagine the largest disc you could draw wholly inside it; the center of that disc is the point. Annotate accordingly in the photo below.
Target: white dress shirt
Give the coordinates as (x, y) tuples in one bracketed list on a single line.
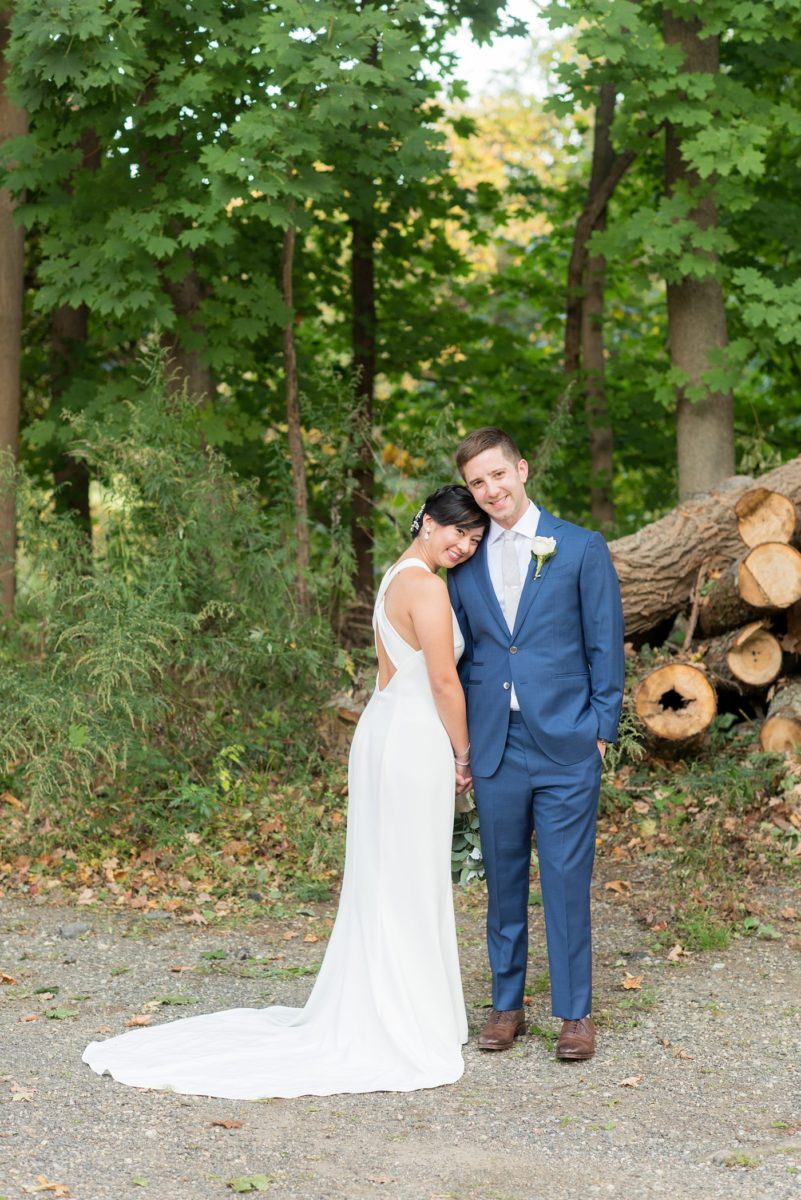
[(526, 527)]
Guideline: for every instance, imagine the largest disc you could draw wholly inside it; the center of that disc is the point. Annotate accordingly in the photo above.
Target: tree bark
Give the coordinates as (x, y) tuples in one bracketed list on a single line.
[(658, 566), (13, 123), (362, 284), (782, 728), (297, 459), (593, 352), (696, 312)]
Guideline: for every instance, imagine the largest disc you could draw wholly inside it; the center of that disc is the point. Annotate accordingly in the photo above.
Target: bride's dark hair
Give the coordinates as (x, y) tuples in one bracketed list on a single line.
[(451, 505)]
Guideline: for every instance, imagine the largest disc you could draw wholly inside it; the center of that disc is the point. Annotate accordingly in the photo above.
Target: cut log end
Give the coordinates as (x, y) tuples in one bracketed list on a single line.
[(782, 728), (676, 702), (781, 733), (765, 516), (755, 656), (770, 576)]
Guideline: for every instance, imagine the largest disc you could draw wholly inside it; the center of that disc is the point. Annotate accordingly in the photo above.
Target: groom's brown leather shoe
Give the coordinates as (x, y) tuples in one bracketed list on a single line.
[(501, 1029), (577, 1039)]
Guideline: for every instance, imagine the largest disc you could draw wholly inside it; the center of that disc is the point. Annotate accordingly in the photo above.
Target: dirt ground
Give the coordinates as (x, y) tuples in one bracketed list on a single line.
[(695, 1091)]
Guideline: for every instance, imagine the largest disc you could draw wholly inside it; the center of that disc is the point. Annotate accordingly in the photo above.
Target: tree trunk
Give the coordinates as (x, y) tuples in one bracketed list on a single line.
[(362, 282), (297, 459), (696, 313), (747, 659), (13, 123), (767, 577), (187, 370), (659, 565), (592, 329), (782, 728), (676, 704), (765, 516), (68, 335), (68, 340)]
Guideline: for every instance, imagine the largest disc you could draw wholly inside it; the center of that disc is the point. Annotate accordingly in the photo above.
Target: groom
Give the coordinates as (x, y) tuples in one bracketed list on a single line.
[(539, 608)]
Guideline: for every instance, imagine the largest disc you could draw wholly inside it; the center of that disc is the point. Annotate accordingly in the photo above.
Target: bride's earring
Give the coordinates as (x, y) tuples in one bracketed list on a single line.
[(426, 534)]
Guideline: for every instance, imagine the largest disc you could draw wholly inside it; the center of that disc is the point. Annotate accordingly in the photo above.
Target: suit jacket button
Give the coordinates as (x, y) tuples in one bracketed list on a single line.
[(506, 687), (513, 649)]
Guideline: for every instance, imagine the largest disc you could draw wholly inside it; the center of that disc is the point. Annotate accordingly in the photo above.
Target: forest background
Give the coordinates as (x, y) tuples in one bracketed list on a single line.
[(261, 266)]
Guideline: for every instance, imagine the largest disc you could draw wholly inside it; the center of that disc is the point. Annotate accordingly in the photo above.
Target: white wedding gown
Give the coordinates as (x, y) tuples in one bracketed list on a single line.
[(386, 1012)]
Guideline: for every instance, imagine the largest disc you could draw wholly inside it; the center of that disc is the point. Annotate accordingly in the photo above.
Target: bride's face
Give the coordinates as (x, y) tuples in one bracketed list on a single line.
[(450, 545)]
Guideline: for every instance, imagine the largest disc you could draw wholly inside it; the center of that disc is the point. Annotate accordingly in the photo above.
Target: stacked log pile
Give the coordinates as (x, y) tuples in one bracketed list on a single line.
[(726, 568)]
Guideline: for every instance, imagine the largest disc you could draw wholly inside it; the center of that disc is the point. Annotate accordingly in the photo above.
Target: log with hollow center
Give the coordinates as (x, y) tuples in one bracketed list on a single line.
[(675, 702)]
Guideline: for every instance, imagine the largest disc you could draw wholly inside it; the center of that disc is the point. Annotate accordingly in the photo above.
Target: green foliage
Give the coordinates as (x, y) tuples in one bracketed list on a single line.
[(143, 654)]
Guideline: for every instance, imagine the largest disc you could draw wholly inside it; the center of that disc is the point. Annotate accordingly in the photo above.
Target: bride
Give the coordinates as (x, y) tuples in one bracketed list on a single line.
[(386, 1012)]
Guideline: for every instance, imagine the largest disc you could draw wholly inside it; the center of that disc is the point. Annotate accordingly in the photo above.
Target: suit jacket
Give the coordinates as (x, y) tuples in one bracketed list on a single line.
[(564, 655)]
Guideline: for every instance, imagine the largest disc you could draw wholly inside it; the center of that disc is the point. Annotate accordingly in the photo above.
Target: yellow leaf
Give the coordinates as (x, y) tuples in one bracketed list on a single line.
[(311, 937), (632, 982)]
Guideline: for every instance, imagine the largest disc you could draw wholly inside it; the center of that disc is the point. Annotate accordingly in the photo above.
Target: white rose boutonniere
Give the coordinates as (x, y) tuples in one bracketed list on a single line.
[(542, 548)]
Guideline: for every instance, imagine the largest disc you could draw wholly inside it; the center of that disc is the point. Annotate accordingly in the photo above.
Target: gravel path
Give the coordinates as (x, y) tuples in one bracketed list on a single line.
[(695, 1091)]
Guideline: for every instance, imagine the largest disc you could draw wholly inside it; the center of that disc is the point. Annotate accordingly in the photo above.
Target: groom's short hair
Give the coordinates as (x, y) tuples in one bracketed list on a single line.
[(489, 437)]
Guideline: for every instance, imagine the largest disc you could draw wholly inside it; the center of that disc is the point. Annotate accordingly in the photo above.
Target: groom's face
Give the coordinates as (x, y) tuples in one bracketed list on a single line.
[(498, 485)]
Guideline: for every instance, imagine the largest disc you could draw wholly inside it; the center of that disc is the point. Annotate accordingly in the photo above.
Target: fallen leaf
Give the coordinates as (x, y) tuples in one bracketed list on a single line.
[(103, 1029), (250, 1183), (22, 1095), (631, 982), (228, 1123), (289, 935), (8, 798), (631, 1081), (787, 914), (139, 1019), (43, 1184), (680, 1052), (641, 806), (62, 1014), (176, 970), (621, 886), (194, 918), (311, 937), (140, 1181), (659, 927), (677, 952), (30, 1017), (6, 978)]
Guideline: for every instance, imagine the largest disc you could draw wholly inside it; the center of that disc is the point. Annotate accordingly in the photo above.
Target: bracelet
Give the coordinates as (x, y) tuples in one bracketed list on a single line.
[(465, 752), (462, 762)]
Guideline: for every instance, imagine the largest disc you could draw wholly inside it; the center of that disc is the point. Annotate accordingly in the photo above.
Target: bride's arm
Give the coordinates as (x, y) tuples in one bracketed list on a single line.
[(430, 613)]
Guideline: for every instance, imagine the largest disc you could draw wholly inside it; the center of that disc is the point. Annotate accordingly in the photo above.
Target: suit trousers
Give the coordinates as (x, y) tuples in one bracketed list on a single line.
[(531, 793)]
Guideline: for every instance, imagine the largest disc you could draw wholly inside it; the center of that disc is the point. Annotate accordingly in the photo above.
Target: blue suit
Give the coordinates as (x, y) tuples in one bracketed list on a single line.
[(539, 770)]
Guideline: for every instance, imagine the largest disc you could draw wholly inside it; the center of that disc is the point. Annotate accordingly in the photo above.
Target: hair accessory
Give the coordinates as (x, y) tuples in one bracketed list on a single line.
[(417, 520)]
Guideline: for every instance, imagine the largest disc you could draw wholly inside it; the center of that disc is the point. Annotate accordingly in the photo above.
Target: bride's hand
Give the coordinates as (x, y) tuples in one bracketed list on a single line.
[(464, 781)]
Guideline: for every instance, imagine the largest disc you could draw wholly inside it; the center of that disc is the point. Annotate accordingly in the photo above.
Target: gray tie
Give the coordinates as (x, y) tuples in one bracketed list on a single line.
[(510, 574)]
